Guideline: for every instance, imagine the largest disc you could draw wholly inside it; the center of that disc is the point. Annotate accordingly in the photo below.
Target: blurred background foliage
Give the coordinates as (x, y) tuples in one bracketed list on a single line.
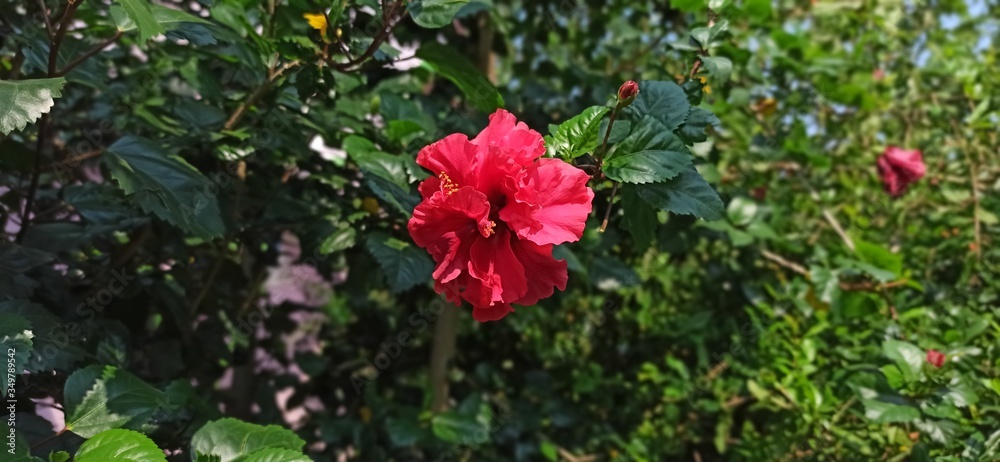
[(219, 202)]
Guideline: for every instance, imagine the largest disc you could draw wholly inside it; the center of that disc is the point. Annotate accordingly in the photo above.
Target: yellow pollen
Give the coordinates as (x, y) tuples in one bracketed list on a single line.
[(449, 187), (489, 228)]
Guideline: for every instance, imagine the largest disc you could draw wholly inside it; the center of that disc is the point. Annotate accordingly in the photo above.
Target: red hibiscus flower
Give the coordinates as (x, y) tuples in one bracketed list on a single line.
[(899, 168), (935, 357), (491, 214)]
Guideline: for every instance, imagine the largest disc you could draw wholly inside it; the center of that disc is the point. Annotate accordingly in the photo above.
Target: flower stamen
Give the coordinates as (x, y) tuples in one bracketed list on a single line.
[(488, 230), (449, 187)]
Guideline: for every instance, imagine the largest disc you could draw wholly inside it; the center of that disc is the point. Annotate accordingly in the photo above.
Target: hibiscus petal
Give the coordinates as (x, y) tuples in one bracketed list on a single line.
[(552, 205), (497, 277), (515, 138), (447, 225), (499, 176), (429, 186), (899, 168), (889, 177), (491, 313), (909, 163), (544, 272), (454, 156)]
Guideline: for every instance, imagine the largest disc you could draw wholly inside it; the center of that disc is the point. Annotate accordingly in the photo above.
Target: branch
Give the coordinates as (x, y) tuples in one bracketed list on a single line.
[(443, 348), (840, 231), (868, 286), (91, 52), (611, 203), (48, 23), (56, 42), (785, 263), (259, 92), (54, 45), (387, 26), (973, 179), (29, 203)]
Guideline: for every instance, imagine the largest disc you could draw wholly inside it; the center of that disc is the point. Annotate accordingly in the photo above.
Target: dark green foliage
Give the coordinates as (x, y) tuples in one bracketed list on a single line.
[(206, 257)]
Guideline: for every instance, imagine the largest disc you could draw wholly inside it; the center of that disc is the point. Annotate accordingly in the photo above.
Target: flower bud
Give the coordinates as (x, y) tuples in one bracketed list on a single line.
[(935, 357), (627, 92)]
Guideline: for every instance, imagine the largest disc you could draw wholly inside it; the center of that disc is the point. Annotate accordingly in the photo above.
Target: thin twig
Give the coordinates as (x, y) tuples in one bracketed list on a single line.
[(871, 287), (91, 52), (388, 24), (50, 438), (54, 45), (209, 282), (48, 24), (29, 203), (611, 203), (840, 231), (75, 160), (565, 454), (974, 180), (60, 33), (607, 134), (785, 263), (259, 92)]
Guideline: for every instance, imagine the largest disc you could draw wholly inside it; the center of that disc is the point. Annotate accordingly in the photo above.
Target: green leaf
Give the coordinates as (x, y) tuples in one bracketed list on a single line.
[(15, 334), (698, 120), (19, 259), (403, 116), (275, 455), (549, 451), (610, 274), (100, 399), (452, 65), (405, 265), (893, 376), (650, 154), (435, 13), (961, 394), (403, 431), (718, 67), (51, 348), (639, 217), (374, 162), (459, 428), (23, 101), (341, 239), (991, 448), (919, 453), (399, 197), (885, 408), (120, 446), (879, 257), (166, 185), (579, 135), (59, 456), (757, 9), (230, 439), (664, 101), (686, 194), (907, 357), (169, 18), (142, 15)]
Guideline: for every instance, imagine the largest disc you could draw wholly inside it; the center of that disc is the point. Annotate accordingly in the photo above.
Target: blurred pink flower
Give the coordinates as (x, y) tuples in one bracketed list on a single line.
[(935, 357), (899, 168)]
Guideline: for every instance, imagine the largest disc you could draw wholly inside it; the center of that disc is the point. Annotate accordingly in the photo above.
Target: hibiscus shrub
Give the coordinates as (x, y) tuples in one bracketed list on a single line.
[(470, 230)]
